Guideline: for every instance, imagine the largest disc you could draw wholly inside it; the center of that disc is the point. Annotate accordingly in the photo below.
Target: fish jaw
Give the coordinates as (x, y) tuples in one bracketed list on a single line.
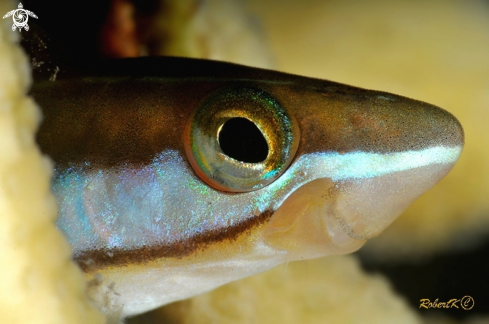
[(371, 156), (335, 215)]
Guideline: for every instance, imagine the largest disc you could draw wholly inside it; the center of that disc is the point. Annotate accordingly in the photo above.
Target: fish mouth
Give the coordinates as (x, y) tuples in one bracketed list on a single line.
[(307, 226), (367, 156), (338, 214)]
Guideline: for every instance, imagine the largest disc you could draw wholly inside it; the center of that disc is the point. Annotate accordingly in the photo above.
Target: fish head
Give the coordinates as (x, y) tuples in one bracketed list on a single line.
[(175, 176), (342, 163)]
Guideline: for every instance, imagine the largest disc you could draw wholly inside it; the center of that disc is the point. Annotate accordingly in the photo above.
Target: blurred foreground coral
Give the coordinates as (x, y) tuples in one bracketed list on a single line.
[(329, 290), (38, 282)]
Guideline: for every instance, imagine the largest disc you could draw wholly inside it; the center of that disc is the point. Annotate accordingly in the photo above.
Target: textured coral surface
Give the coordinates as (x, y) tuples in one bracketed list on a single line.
[(38, 282)]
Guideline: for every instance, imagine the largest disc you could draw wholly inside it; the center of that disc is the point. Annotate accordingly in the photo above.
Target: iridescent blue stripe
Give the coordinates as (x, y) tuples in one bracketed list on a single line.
[(165, 202)]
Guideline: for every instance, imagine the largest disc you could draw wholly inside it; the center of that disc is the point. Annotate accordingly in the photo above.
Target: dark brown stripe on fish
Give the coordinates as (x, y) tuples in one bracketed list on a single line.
[(96, 259)]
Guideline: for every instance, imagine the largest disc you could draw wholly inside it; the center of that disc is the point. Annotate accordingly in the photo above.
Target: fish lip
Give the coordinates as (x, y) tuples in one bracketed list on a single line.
[(378, 201), (395, 134)]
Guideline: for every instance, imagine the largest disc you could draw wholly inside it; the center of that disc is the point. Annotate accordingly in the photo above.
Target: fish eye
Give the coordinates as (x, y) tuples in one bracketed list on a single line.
[(240, 139)]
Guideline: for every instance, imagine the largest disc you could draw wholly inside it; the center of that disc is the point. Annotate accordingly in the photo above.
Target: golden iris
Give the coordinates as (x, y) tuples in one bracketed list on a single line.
[(229, 173)]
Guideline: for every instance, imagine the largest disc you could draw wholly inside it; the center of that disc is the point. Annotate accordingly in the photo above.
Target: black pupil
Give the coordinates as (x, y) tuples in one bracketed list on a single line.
[(243, 141)]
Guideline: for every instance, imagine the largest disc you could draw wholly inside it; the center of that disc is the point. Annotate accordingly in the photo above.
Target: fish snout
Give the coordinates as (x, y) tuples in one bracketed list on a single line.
[(368, 158)]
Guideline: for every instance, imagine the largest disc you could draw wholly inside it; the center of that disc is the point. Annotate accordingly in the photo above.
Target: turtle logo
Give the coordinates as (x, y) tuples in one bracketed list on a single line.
[(20, 17)]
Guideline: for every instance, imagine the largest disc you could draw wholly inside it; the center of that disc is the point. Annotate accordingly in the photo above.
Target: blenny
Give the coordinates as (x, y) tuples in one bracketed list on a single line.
[(174, 176)]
